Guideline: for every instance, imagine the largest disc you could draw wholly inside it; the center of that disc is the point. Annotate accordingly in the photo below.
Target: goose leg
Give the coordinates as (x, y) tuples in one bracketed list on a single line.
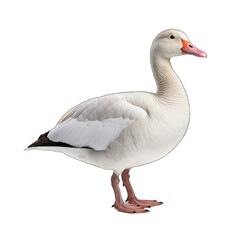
[(132, 199), (119, 203)]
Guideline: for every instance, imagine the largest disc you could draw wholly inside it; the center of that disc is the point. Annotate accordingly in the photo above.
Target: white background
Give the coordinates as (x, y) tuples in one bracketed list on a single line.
[(56, 54)]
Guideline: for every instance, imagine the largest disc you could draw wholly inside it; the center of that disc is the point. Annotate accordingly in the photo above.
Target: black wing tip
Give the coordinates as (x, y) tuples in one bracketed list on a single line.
[(44, 141), (42, 138)]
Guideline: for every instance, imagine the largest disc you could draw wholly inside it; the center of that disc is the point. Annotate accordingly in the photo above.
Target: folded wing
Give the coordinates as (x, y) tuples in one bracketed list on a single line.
[(97, 122)]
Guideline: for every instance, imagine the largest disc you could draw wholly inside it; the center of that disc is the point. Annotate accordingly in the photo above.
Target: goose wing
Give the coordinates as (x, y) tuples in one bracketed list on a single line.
[(97, 122)]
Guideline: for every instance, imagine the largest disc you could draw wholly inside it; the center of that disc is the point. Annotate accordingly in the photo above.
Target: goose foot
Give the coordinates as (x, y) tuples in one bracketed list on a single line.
[(119, 203), (132, 199), (129, 208), (144, 203)]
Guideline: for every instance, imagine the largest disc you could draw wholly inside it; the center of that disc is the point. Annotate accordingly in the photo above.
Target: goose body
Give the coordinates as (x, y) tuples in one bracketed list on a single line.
[(124, 130)]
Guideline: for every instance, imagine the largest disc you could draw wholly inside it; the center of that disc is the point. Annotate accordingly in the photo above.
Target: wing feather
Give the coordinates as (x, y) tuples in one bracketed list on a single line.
[(97, 122)]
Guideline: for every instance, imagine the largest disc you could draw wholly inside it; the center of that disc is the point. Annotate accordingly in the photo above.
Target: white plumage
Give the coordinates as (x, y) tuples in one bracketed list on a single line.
[(96, 123), (93, 134), (124, 130)]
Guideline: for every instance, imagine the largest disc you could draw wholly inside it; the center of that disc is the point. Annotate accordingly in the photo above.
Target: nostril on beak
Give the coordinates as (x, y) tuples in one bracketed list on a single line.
[(190, 46)]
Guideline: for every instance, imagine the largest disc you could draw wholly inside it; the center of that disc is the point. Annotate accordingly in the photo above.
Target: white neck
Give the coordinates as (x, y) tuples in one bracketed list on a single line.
[(169, 86)]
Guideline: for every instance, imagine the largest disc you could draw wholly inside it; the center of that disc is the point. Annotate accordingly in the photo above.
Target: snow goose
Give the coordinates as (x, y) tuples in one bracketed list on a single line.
[(125, 130)]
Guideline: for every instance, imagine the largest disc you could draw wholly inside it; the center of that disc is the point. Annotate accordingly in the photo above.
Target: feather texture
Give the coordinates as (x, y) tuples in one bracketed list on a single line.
[(97, 122)]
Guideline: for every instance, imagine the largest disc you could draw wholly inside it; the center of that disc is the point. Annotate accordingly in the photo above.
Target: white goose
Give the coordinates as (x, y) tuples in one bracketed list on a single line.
[(124, 130)]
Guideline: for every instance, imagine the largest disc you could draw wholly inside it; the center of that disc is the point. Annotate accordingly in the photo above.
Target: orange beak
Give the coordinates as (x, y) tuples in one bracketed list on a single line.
[(189, 48)]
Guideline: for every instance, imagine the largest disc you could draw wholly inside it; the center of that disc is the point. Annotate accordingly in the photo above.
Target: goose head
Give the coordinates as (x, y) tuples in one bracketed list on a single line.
[(173, 42)]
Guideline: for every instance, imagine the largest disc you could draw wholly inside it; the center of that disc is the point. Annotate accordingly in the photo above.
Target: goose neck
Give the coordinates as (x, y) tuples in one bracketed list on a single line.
[(167, 81)]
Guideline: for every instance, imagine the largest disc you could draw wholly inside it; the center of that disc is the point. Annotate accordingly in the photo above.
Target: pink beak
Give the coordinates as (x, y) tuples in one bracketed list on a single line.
[(189, 48)]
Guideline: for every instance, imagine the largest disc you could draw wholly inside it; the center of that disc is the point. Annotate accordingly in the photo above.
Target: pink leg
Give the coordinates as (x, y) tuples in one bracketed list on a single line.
[(132, 199), (119, 204)]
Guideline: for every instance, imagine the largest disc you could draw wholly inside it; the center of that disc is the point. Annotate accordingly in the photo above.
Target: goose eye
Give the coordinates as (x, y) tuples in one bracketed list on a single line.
[(172, 37)]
